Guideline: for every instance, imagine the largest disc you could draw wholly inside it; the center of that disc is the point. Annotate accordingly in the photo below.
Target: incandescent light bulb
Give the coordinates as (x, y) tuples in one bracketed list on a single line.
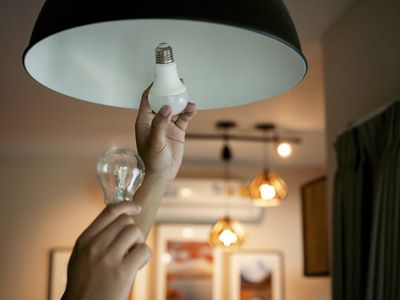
[(120, 172), (228, 237), (167, 88), (227, 234), (267, 191)]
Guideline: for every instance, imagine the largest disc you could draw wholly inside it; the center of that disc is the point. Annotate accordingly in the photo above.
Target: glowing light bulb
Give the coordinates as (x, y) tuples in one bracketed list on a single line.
[(284, 149), (227, 234), (186, 192), (167, 88), (120, 172), (227, 237), (267, 191)]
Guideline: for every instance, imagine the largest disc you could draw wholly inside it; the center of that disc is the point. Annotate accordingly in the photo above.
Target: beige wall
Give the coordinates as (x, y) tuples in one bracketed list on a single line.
[(47, 201), (281, 229), (362, 65)]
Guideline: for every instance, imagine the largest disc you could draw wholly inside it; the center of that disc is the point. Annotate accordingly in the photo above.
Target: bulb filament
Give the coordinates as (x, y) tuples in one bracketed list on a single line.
[(121, 174)]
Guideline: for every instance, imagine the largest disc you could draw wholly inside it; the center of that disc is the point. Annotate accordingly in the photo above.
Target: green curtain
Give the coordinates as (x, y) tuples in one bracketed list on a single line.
[(366, 210)]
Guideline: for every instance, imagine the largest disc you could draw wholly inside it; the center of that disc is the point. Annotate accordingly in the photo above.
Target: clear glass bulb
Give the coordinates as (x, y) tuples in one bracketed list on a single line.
[(120, 172), (284, 149), (167, 87)]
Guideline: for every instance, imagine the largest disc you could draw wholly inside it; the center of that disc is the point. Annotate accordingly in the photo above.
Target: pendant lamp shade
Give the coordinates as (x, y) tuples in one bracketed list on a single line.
[(227, 234), (229, 52), (268, 189)]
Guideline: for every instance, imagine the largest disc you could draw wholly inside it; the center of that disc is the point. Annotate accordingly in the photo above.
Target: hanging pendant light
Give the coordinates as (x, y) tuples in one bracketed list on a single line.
[(227, 233), (230, 52), (267, 188)]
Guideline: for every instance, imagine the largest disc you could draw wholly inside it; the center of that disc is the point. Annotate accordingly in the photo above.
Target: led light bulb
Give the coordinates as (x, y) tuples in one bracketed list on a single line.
[(284, 149), (167, 88), (120, 172)]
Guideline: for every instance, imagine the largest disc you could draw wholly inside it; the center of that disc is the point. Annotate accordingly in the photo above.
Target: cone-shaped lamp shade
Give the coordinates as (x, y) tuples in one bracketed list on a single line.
[(227, 234), (268, 189), (229, 52)]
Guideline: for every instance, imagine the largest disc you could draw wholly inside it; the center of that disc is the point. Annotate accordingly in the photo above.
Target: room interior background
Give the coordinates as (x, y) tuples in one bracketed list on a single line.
[(48, 188)]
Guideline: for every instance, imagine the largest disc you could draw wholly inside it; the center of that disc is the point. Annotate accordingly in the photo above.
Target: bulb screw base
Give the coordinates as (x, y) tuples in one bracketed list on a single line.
[(164, 54)]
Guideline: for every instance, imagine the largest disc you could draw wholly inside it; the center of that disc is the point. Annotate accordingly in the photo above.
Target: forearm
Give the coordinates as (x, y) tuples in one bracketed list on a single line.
[(149, 197)]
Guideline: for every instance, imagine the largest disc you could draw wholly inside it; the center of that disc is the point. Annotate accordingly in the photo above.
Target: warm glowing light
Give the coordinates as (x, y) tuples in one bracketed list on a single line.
[(227, 237), (227, 234), (186, 192), (166, 258), (284, 149), (187, 232), (267, 191)]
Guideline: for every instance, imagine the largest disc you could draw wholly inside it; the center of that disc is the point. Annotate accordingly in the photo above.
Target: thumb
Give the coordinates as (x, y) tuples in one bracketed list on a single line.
[(159, 126)]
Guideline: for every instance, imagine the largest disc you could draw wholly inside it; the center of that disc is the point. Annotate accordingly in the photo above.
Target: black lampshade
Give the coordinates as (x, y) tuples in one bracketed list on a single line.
[(229, 52)]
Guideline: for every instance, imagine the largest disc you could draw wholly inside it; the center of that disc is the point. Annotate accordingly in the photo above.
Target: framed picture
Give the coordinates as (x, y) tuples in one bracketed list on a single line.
[(256, 275), (58, 272), (187, 266), (315, 228)]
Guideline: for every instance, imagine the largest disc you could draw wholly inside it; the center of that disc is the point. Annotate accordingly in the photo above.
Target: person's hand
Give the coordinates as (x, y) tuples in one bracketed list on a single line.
[(160, 138), (107, 256)]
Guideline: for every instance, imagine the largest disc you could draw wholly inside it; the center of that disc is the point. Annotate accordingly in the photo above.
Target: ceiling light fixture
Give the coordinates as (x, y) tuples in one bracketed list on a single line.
[(227, 233), (230, 52), (284, 149), (267, 188)]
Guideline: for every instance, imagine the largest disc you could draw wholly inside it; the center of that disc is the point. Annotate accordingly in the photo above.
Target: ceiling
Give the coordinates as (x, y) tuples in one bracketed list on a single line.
[(36, 121)]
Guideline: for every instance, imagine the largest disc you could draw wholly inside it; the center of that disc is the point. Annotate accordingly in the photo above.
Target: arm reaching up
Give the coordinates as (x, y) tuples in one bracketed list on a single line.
[(160, 141)]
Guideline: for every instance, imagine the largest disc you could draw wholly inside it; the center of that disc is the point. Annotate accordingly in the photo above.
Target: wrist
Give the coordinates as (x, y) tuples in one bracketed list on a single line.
[(156, 179)]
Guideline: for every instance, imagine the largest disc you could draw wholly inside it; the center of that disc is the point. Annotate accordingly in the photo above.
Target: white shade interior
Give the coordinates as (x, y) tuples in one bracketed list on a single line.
[(112, 63)]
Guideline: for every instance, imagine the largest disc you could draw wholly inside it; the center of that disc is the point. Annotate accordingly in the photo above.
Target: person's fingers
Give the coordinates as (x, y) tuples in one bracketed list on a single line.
[(138, 257), (126, 239), (158, 128), (101, 241), (143, 119), (183, 121), (174, 118), (144, 102), (107, 216)]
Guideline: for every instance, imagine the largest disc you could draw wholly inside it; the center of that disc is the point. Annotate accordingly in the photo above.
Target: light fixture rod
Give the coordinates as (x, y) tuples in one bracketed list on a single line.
[(242, 138)]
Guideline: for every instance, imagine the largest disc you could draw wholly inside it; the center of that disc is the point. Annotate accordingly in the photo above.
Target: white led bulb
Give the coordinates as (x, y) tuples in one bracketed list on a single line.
[(167, 88)]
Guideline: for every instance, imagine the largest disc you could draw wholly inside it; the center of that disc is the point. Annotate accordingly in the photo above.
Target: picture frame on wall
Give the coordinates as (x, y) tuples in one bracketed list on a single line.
[(187, 267), (315, 228), (256, 274)]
